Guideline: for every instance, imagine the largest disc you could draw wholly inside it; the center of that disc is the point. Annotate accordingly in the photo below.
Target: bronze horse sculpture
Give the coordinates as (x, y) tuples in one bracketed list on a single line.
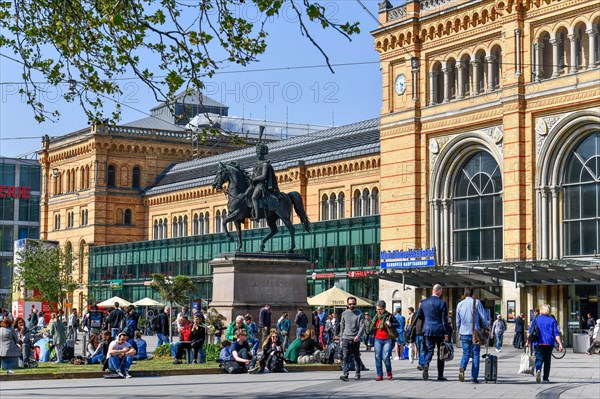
[(239, 208)]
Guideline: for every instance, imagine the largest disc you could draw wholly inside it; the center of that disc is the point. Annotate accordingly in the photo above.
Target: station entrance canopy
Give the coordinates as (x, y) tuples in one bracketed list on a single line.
[(523, 273)]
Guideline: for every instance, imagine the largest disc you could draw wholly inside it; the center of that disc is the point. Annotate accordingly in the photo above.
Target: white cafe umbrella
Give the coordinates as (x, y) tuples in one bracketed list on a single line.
[(148, 302), (336, 297), (109, 303)]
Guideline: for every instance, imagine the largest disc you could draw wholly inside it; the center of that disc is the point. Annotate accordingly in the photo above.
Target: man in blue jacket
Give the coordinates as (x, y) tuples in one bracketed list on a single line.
[(434, 313)]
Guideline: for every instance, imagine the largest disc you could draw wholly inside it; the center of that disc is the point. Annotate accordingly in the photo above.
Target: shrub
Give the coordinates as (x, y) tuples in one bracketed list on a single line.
[(163, 350)]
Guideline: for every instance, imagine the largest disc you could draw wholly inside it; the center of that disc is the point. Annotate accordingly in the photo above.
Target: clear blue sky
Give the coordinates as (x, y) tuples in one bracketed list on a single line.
[(310, 95)]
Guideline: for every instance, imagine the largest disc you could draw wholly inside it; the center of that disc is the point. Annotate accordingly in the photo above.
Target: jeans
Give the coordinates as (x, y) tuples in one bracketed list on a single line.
[(114, 332), (383, 350), (245, 355), (419, 345), (499, 340), (347, 346), (543, 355), (59, 349), (431, 343), (519, 340), (470, 350), (162, 339), (115, 364)]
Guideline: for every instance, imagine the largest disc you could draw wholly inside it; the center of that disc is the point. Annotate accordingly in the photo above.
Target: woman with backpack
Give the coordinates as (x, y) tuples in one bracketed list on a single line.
[(272, 357)]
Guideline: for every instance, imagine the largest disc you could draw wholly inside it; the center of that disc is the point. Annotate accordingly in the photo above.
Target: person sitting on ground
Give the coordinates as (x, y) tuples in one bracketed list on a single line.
[(225, 354), (240, 351), (237, 324), (310, 349), (272, 357), (291, 353), (120, 355), (93, 347), (595, 338), (100, 356), (9, 346), (24, 335), (185, 333), (141, 353), (197, 336)]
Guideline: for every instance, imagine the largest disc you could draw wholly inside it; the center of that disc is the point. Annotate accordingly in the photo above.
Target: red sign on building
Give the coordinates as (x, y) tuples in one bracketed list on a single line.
[(14, 192)]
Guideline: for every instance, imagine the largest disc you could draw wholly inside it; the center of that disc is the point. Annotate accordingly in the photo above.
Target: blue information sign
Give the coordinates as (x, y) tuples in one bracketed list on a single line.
[(406, 264)]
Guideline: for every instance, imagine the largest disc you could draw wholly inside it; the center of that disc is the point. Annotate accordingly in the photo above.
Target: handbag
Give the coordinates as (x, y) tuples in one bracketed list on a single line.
[(446, 351), (535, 333), (527, 364), (479, 337), (392, 332)]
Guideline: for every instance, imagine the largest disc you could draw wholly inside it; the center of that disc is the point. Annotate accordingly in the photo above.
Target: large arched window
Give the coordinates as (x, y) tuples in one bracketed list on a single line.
[(342, 205), (582, 198), (333, 214), (218, 225), (324, 207), (111, 176), (375, 201), (366, 202), (356, 203), (196, 225), (136, 177), (477, 205), (206, 224), (155, 232), (127, 216)]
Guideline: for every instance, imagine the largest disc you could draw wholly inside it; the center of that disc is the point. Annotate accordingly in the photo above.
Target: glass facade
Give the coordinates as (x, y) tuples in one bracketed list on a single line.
[(19, 210), (333, 249)]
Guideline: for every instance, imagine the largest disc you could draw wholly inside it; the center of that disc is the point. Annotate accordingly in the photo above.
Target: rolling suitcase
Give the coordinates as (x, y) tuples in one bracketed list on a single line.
[(491, 367)]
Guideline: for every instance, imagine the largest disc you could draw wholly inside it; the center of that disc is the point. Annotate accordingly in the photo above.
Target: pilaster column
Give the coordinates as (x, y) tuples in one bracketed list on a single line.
[(490, 72), (433, 87), (476, 71), (460, 70), (446, 73), (592, 34), (517, 52), (555, 224), (415, 71), (573, 64), (556, 68), (436, 229), (446, 233), (544, 199)]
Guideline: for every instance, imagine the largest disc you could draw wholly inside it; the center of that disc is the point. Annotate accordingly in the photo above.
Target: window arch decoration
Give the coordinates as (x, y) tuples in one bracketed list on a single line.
[(560, 143), (446, 166)]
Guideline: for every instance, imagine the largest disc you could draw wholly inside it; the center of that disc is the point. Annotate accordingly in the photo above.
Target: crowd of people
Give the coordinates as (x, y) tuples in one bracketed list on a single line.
[(115, 341)]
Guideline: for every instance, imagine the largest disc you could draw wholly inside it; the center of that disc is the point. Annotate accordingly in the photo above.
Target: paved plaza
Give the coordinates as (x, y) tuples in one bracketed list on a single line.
[(574, 376)]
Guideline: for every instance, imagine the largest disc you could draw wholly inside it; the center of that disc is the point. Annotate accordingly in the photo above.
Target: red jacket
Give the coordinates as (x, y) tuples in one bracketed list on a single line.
[(185, 332)]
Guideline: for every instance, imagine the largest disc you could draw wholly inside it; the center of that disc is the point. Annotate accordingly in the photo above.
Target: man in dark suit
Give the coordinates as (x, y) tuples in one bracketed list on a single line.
[(434, 313)]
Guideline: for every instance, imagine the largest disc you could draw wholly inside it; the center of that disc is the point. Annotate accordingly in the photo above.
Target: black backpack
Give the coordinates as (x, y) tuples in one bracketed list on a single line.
[(154, 324), (275, 362)]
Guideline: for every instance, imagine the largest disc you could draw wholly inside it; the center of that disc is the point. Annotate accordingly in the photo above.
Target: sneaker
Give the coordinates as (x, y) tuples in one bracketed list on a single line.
[(474, 381), (461, 374), (254, 370), (442, 378), (396, 358), (499, 350), (538, 376), (420, 368), (344, 377), (390, 376), (266, 371), (285, 370), (9, 372), (357, 376), (379, 378), (545, 381), (127, 375), (194, 361), (425, 373), (177, 361), (120, 374)]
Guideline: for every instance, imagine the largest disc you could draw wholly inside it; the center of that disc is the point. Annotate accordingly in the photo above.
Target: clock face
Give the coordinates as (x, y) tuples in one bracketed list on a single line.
[(400, 84)]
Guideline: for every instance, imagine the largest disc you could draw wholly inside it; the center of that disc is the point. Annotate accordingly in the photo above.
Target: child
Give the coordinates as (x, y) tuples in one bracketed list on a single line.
[(225, 354)]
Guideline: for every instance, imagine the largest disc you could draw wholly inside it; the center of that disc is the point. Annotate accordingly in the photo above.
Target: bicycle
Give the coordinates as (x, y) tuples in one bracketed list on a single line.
[(556, 353)]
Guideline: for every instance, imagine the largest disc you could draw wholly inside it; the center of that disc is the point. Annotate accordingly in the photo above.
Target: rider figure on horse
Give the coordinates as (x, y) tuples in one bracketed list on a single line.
[(264, 181)]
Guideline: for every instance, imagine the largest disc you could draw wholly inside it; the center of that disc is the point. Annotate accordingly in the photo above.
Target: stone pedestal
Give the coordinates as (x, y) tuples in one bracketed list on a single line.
[(245, 282)]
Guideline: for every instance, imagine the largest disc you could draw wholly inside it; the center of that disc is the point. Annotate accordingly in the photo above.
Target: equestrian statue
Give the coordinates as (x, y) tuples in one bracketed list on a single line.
[(258, 197)]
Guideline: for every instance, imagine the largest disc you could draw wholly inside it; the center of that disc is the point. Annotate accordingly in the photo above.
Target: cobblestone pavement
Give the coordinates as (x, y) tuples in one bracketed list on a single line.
[(574, 376)]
